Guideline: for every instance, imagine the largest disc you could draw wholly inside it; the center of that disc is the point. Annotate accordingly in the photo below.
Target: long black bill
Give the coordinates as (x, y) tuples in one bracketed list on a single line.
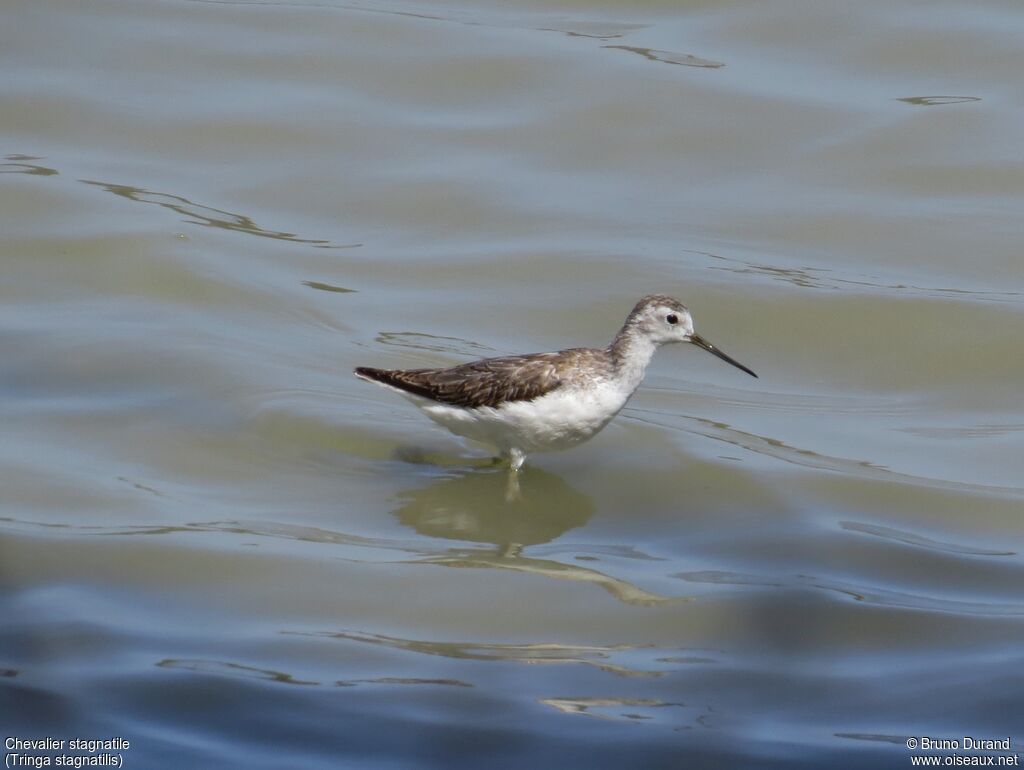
[(700, 342)]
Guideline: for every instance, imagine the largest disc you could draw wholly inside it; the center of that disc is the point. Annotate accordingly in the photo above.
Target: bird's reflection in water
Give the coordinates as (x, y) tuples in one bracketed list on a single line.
[(471, 506)]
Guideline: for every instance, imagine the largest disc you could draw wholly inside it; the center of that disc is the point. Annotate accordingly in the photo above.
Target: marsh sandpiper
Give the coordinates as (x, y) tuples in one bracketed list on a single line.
[(542, 402)]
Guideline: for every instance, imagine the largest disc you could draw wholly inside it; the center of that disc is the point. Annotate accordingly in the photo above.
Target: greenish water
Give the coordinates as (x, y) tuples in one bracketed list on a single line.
[(218, 545)]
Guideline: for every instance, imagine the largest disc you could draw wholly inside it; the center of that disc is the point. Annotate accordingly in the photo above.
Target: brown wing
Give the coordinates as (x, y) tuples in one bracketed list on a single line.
[(488, 382)]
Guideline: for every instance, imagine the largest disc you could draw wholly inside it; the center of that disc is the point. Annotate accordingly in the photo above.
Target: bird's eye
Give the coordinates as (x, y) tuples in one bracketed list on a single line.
[(672, 318)]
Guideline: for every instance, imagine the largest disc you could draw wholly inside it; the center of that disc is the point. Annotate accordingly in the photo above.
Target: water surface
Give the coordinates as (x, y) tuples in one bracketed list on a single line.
[(217, 544)]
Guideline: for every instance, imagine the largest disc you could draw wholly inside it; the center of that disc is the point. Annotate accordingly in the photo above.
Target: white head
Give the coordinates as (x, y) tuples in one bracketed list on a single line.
[(661, 320)]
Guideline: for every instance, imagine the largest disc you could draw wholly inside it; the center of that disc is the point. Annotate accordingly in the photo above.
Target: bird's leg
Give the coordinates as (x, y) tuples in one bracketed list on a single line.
[(512, 487), (516, 459), (510, 551)]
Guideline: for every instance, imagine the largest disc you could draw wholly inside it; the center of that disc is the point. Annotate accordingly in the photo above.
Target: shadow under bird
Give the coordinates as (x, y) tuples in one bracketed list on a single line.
[(543, 402)]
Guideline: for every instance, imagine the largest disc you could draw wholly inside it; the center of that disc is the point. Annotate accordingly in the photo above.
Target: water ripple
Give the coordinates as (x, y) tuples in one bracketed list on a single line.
[(933, 101), (808, 458), (20, 167), (327, 287), (207, 216), (669, 57), (433, 342), (505, 556), (867, 595), (223, 668), (628, 660), (910, 538), (619, 709), (828, 279)]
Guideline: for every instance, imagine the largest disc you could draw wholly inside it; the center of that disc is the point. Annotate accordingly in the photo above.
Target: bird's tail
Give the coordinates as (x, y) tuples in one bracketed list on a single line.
[(371, 374)]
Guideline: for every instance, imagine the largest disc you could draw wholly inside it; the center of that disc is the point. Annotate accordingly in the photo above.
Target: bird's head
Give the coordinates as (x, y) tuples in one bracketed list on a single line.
[(663, 319)]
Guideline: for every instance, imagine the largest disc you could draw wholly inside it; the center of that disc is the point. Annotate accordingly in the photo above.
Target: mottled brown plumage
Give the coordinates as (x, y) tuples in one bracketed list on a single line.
[(494, 381)]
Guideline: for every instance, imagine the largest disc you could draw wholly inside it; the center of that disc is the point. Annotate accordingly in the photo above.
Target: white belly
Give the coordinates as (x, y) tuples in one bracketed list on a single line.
[(558, 420)]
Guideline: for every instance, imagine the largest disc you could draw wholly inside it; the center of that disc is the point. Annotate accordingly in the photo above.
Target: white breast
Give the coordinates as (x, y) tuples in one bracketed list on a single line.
[(559, 420)]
